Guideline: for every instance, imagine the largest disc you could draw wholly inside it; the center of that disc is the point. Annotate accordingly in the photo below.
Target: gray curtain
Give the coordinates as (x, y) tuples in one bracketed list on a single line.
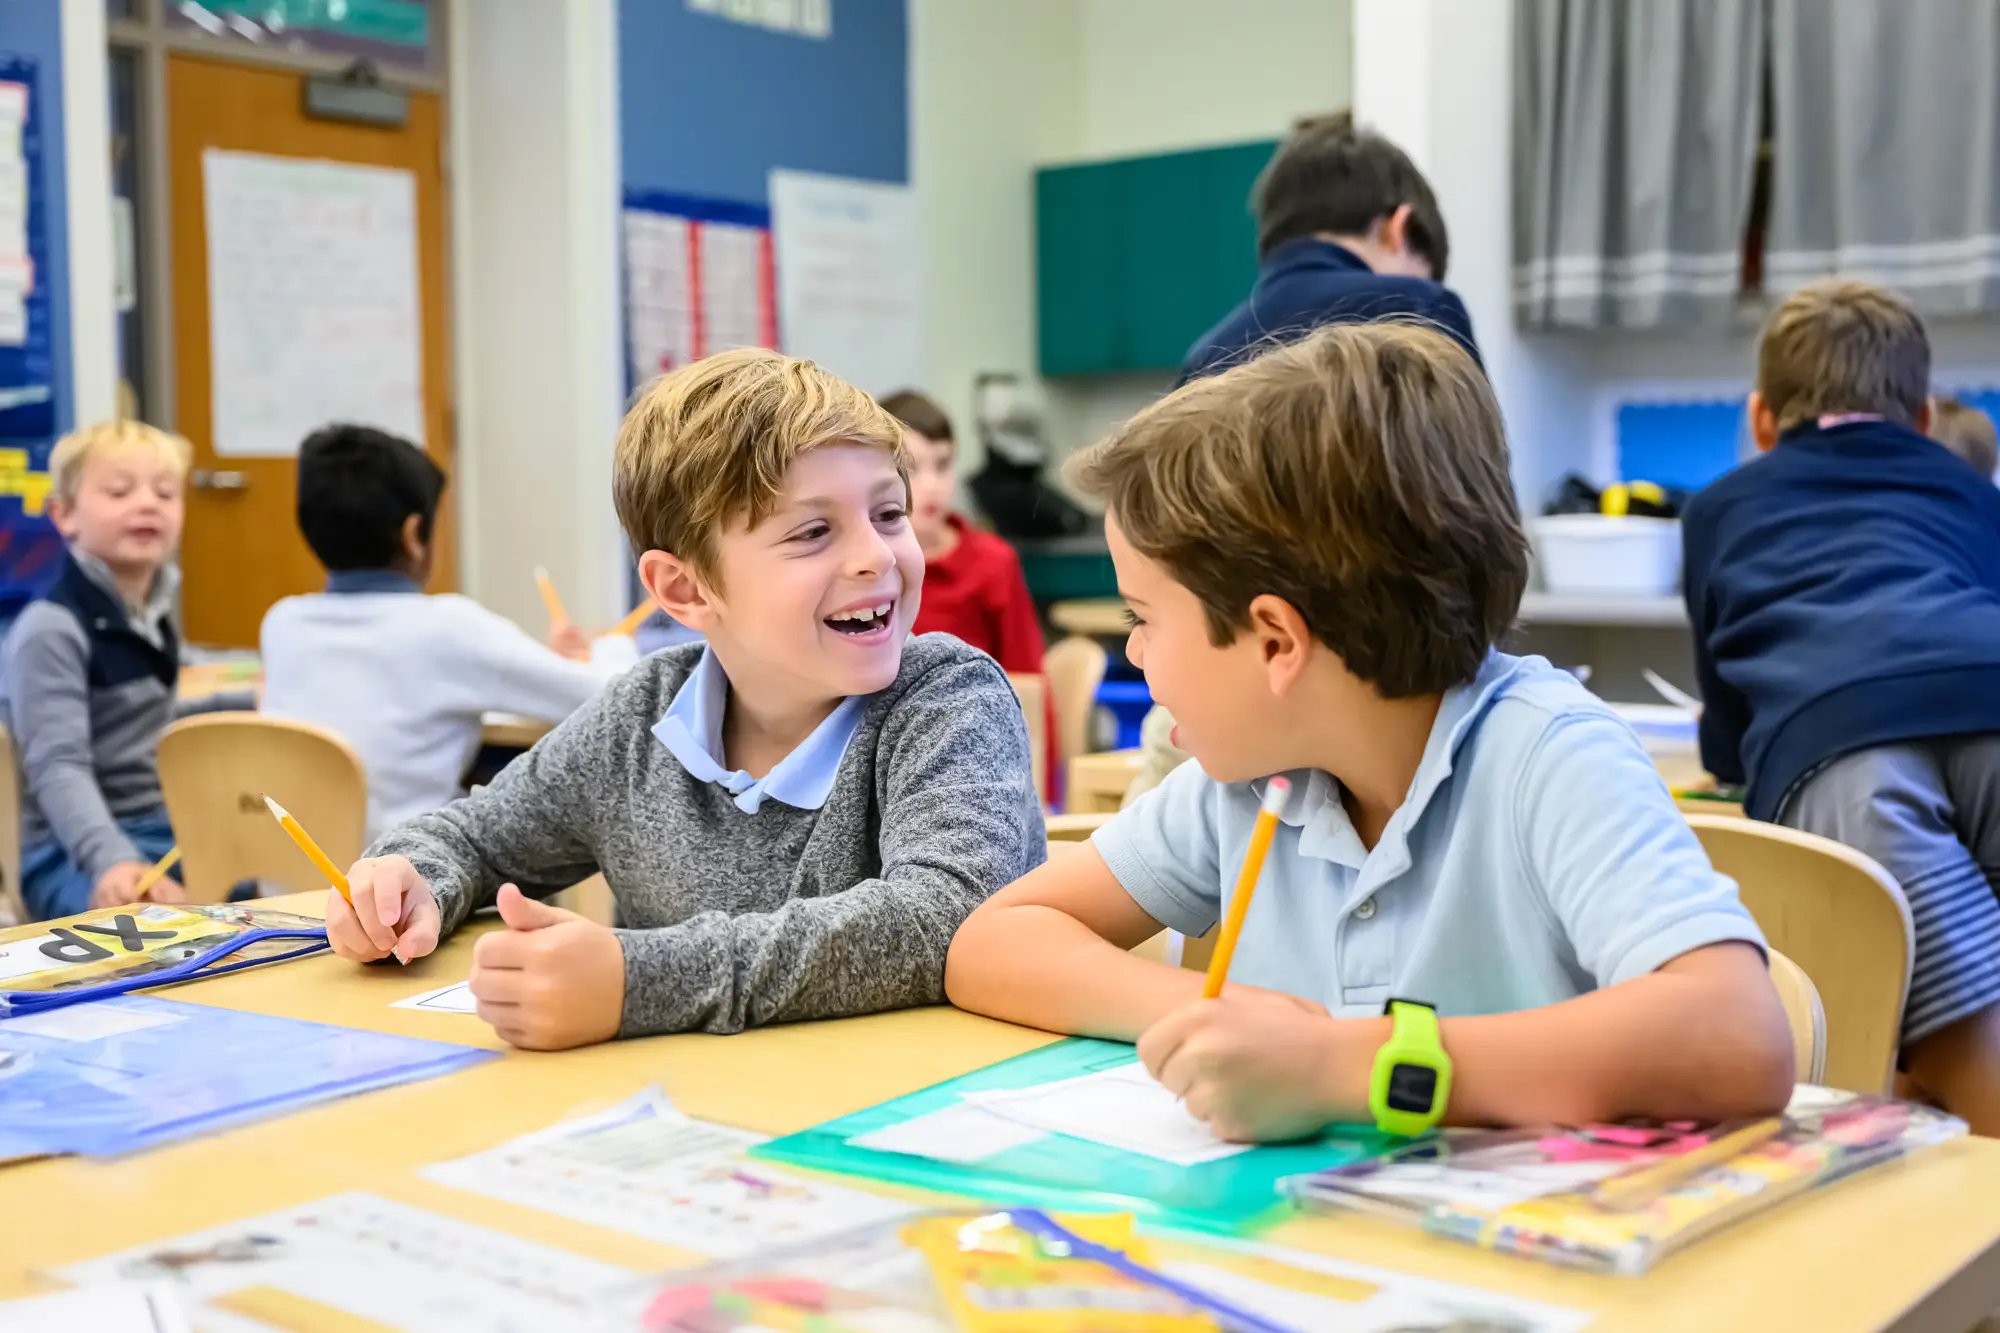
[(1634, 138), (1886, 141)]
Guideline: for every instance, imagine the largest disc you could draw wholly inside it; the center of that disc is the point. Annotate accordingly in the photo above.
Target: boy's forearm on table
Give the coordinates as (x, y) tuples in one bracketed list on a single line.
[(1039, 966), (1654, 1046)]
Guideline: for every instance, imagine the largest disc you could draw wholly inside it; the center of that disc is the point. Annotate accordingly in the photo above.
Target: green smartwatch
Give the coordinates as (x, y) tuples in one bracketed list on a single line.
[(1411, 1083)]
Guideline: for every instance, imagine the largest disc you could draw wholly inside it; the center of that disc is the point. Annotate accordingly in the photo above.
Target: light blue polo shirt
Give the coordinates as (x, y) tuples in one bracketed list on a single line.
[(692, 729), (1538, 856)]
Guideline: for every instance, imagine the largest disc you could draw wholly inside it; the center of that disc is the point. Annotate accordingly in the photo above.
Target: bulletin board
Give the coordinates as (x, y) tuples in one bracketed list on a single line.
[(699, 278), (29, 547)]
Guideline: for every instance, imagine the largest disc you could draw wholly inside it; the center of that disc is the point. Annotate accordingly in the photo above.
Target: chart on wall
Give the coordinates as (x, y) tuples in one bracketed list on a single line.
[(698, 279), (29, 548), (313, 307), (850, 277)]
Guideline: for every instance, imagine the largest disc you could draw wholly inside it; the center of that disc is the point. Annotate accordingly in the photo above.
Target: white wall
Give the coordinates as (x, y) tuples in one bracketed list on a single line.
[(994, 92), (86, 114), (536, 318), (1160, 75)]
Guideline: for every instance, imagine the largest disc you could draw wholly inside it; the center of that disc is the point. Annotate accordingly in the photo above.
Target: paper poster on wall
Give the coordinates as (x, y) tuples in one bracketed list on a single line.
[(698, 279), (850, 277), (313, 308)]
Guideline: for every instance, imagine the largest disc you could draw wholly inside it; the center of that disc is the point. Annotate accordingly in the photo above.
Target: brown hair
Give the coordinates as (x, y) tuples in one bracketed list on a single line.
[(1967, 432), (1359, 474), (712, 441), (1838, 346), (920, 413), (1331, 177), (118, 436)]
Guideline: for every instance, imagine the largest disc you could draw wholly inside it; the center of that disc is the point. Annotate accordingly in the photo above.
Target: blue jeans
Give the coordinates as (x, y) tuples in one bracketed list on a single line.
[(53, 886)]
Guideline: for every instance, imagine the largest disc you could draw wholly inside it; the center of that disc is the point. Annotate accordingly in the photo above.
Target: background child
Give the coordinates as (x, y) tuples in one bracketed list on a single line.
[(973, 586), (89, 670), (1845, 595), (1967, 432), (404, 678), (1320, 548), (794, 817)]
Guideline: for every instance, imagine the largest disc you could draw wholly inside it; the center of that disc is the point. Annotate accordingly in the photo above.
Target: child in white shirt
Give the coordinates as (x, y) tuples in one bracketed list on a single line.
[(401, 676)]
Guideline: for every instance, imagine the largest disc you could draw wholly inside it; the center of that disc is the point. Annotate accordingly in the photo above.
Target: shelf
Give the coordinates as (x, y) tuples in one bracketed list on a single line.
[(1562, 608)]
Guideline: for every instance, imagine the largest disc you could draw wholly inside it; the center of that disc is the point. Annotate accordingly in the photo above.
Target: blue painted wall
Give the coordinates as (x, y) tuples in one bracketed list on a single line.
[(709, 107), (33, 29)]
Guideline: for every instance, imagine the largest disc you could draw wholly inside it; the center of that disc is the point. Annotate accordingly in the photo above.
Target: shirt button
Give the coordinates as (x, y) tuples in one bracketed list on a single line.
[(1365, 912)]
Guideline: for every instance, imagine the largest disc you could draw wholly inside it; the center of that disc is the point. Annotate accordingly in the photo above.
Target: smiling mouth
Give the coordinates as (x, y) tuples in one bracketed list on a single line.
[(863, 620)]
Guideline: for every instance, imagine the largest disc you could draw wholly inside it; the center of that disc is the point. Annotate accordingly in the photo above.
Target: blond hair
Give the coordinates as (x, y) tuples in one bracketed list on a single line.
[(104, 439), (1360, 475), (1967, 432), (711, 442), (1838, 346)]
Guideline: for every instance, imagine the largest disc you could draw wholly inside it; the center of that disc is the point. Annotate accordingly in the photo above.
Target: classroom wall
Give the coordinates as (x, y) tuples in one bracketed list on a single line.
[(1162, 75), (708, 105), (536, 315), (973, 167)]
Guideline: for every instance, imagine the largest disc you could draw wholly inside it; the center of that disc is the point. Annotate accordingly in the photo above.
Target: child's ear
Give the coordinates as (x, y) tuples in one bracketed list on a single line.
[(1283, 641), (677, 589), (411, 537), (61, 513), (1392, 232), (1927, 416), (1763, 423)]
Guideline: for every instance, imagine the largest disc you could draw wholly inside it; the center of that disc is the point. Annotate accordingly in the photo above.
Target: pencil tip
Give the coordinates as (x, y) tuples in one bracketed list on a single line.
[(277, 811)]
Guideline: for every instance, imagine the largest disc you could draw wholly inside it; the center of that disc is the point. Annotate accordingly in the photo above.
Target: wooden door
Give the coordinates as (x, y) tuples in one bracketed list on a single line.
[(242, 550)]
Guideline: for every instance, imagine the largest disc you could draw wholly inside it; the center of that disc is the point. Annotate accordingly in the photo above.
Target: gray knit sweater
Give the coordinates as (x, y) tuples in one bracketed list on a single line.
[(729, 920)]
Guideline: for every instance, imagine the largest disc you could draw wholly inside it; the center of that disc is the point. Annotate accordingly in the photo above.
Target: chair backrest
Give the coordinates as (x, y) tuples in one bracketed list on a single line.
[(1806, 1015), (12, 907), (1841, 918), (1033, 692), (1074, 827), (1074, 668), (216, 769)]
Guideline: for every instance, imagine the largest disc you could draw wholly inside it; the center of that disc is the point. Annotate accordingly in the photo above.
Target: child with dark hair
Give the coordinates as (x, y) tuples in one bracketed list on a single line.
[(1348, 231), (402, 677)]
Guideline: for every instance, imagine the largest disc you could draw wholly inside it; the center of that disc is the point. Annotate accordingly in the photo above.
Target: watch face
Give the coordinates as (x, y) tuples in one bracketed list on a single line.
[(1412, 1088)]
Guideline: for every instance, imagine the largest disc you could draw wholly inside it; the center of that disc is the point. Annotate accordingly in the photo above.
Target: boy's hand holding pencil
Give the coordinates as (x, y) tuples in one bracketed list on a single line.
[(388, 912)]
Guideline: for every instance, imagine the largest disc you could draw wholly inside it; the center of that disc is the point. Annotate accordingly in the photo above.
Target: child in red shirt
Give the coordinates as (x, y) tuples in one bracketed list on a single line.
[(973, 586)]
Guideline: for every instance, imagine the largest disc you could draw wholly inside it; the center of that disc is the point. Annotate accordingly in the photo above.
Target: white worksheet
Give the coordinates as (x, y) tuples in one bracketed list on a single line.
[(1120, 1108)]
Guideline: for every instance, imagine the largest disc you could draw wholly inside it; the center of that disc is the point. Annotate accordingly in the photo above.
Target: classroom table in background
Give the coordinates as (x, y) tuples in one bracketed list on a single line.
[(498, 731), (1096, 783), (1091, 617), (1915, 1245)]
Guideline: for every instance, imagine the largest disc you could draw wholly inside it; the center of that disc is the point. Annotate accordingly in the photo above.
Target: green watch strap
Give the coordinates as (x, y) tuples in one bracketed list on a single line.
[(1410, 1085)]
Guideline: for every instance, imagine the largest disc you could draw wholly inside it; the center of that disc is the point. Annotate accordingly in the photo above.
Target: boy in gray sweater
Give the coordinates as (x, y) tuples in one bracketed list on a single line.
[(793, 817)]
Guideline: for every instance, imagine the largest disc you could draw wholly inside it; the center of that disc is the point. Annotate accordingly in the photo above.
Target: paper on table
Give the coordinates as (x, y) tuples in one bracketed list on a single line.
[(1120, 1108), (360, 1257), (20, 958), (645, 1168), (962, 1133), (87, 1022), (453, 999), (127, 1307)]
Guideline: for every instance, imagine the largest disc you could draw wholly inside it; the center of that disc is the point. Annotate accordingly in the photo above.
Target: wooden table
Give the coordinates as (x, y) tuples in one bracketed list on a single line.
[(1915, 1246), (1092, 617)]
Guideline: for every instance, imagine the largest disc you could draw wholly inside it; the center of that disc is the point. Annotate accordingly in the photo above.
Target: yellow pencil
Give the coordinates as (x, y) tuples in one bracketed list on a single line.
[(310, 848), (553, 602), (633, 619), (1246, 884), (1626, 1192), (152, 877)]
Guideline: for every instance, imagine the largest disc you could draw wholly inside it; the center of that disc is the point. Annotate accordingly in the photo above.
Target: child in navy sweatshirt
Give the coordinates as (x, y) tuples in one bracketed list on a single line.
[(1845, 595)]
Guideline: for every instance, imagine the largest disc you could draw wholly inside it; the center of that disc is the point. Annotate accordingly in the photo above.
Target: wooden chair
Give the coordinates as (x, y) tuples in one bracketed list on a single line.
[(1806, 1015), (1033, 692), (1841, 918), (13, 908), (1074, 669), (216, 769)]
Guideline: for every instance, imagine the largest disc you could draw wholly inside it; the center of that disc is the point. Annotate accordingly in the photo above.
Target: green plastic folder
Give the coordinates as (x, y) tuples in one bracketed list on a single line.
[(1228, 1195)]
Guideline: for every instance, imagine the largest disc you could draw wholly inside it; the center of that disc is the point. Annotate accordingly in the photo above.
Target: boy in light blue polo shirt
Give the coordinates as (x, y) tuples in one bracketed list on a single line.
[(1320, 550)]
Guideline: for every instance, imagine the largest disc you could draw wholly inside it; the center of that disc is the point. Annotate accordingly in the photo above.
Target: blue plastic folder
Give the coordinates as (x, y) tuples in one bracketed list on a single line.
[(127, 1074), (1229, 1195)]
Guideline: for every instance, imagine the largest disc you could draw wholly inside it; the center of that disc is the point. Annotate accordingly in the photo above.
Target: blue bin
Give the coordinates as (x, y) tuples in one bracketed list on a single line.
[(1128, 702)]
